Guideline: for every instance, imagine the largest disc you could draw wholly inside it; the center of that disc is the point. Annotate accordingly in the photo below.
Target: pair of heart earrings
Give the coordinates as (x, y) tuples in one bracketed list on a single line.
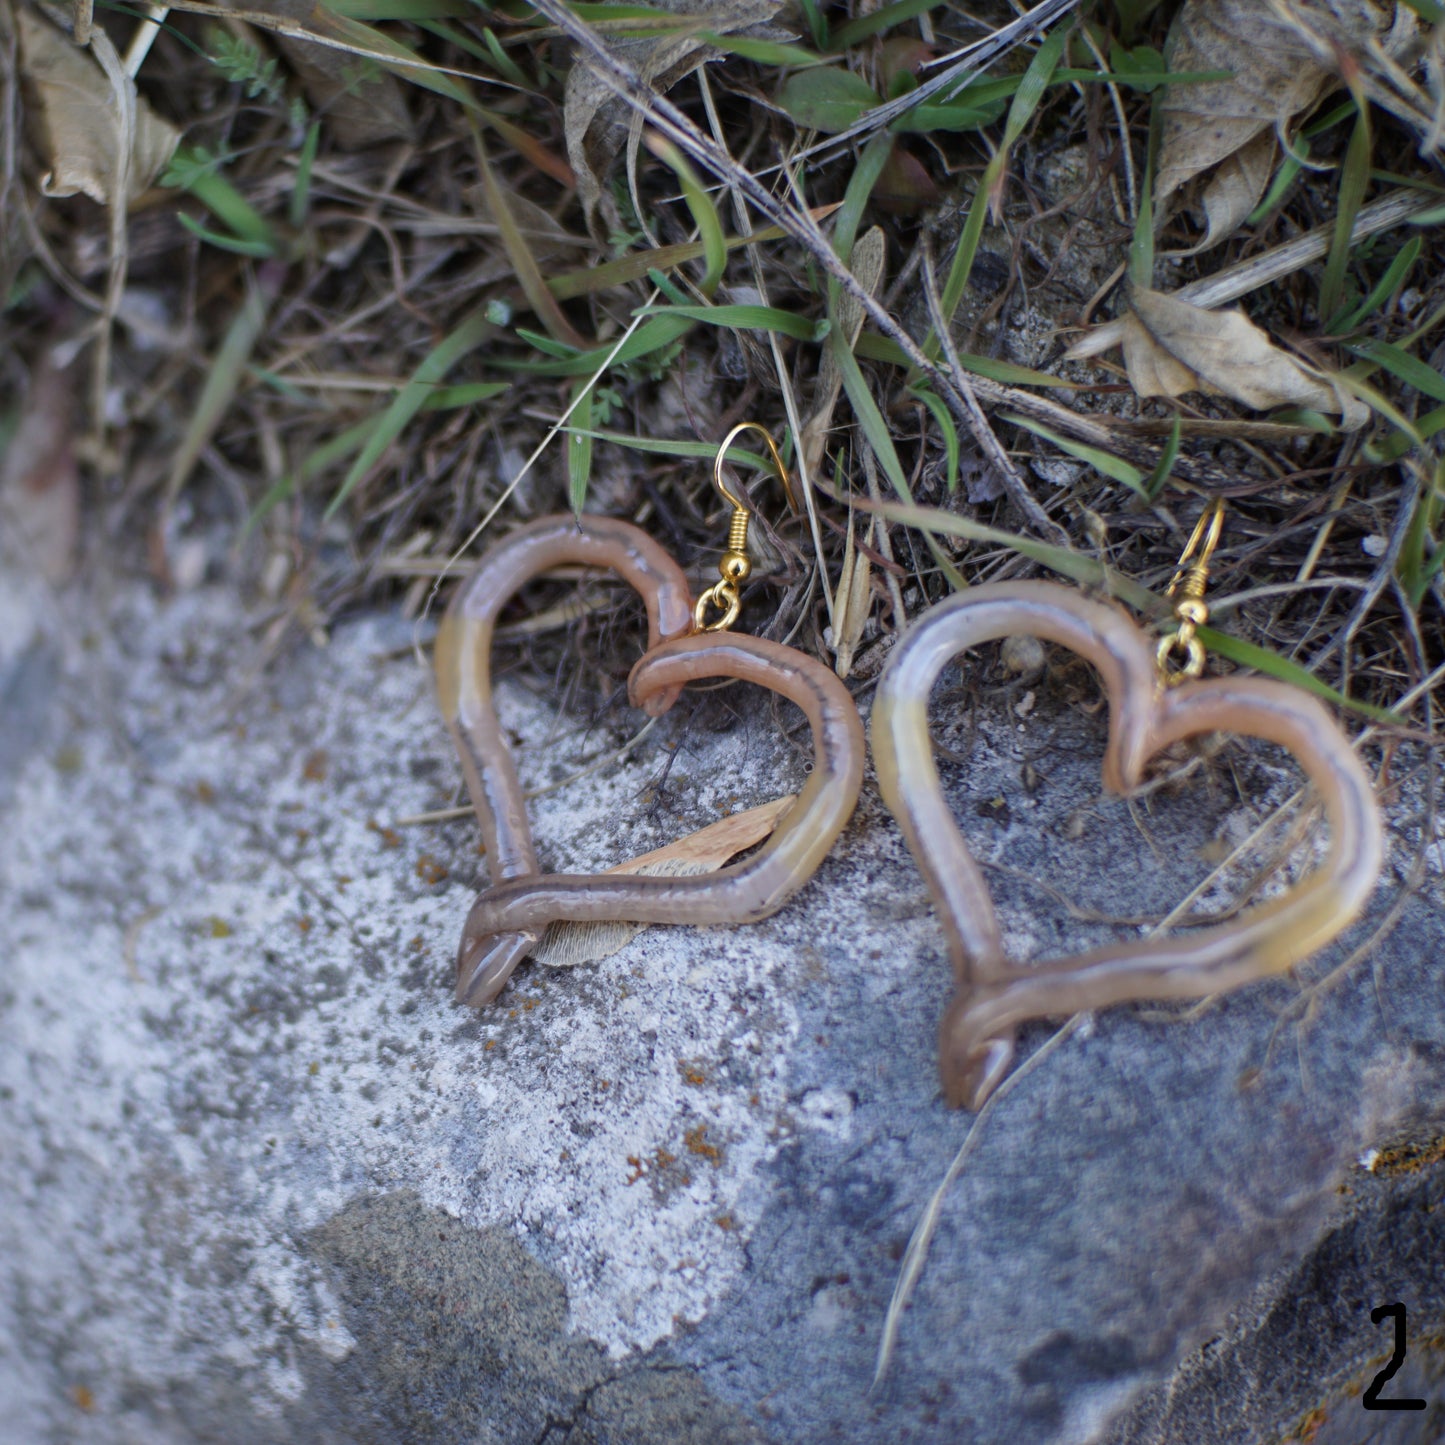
[(1152, 704)]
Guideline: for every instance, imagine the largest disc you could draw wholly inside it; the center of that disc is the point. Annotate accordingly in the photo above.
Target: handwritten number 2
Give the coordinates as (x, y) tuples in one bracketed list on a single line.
[(1371, 1399)]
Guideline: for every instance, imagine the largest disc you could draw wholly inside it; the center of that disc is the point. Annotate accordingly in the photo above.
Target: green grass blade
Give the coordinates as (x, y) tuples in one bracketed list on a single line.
[(873, 347), (884, 18), (876, 432), (704, 213), (300, 201), (413, 396), (926, 119), (258, 250), (469, 393), (1105, 462), (225, 371), (944, 418), (747, 318), (1261, 659), (817, 22), (197, 172), (1354, 179), (1089, 572), (639, 264), (651, 336), (1141, 244), (663, 446), (871, 161), (1409, 369), (579, 450), (1160, 476), (1025, 102), (1383, 289), (507, 68), (413, 10), (764, 52), (519, 253)]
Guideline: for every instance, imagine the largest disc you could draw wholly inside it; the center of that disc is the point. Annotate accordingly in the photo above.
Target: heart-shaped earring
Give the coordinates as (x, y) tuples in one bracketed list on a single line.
[(1146, 714), (510, 916)]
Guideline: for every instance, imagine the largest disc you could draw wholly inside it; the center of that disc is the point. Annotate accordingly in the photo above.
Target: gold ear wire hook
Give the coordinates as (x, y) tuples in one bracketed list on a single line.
[(1190, 609), (735, 566)]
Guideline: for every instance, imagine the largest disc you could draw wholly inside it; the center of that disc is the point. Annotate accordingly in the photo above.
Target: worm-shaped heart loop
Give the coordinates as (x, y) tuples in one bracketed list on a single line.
[(994, 995)]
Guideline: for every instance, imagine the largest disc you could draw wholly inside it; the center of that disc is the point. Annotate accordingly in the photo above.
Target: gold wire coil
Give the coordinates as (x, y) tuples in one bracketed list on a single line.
[(1186, 591), (735, 566)]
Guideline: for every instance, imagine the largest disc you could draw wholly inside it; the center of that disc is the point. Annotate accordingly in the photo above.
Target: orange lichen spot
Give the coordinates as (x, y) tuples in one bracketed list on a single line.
[(304, 923), (664, 1158), (429, 870), (564, 1156), (604, 1083), (84, 1397), (638, 1169), (313, 1068), (696, 1141), (218, 927), (529, 1005), (203, 792), (315, 767), (1409, 1158), (490, 1044), (691, 1074), (755, 1099), (390, 838), (418, 944), (726, 1222)]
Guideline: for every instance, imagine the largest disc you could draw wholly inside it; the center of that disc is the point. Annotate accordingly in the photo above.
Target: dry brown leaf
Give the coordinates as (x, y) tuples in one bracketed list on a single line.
[(80, 119), (1171, 347), (565, 944), (852, 603), (1236, 188), (597, 122), (1276, 75)]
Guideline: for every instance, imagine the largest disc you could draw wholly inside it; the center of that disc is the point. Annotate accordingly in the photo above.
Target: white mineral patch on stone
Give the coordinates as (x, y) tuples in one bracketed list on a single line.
[(271, 1055)]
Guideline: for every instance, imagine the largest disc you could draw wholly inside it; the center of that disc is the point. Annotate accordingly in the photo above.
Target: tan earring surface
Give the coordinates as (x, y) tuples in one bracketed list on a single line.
[(994, 995), (509, 917)]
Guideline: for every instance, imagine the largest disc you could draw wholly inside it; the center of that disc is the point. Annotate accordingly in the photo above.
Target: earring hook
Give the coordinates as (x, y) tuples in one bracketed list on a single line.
[(735, 566), (1190, 610)]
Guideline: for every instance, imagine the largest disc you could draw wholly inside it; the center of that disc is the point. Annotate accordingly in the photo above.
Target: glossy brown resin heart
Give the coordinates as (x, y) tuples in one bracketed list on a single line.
[(510, 916), (995, 995)]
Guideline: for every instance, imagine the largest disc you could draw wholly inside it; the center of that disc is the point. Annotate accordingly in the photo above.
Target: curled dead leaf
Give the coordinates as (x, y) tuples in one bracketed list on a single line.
[(84, 124), (564, 945), (1276, 74), (1171, 347)]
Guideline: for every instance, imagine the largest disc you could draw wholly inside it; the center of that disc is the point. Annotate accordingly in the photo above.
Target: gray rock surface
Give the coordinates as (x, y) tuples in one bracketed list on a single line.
[(263, 1181)]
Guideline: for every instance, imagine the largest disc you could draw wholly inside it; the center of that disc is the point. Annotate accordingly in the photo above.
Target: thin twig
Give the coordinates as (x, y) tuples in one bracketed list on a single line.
[(989, 444), (917, 1255), (626, 83)]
